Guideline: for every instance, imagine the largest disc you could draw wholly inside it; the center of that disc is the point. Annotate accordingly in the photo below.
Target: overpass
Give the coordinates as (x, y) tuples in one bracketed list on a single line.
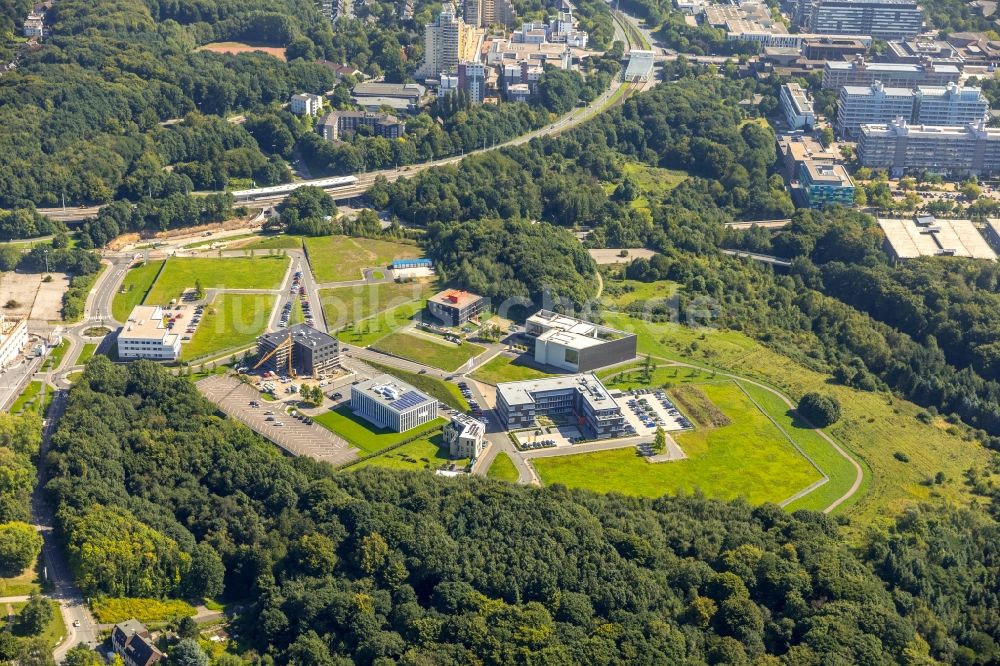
[(763, 224), (777, 262)]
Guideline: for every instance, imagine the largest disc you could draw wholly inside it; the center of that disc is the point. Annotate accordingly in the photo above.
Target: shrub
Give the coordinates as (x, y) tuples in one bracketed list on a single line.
[(821, 410), (901, 457)]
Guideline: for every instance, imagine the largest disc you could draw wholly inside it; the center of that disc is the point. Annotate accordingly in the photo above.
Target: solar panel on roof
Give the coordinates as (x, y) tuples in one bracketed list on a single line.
[(407, 400)]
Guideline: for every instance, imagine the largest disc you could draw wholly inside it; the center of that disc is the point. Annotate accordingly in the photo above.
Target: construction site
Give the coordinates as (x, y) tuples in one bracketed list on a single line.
[(299, 351)]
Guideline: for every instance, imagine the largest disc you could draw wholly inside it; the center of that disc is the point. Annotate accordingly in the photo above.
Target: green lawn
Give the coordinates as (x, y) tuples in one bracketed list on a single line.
[(620, 294), (503, 469), (503, 368), (443, 391), (632, 377), (444, 355), (279, 242), (297, 316), (30, 398), (425, 453), (55, 356), (341, 258), (347, 306), (17, 586), (873, 426), (230, 321), (135, 286), (86, 353), (181, 273), (367, 332), (749, 458), (363, 434), (53, 632)]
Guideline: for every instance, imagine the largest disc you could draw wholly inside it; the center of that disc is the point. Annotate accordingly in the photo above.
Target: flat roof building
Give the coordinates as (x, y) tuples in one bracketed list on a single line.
[(583, 397), (833, 48), (373, 95), (640, 65), (13, 338), (464, 436), (825, 184), (882, 19), (145, 335), (920, 49), (950, 104), (577, 345), (928, 236), (860, 72), (312, 352), (993, 232), (334, 126), (306, 104), (388, 402), (900, 147), (797, 149), (455, 307), (797, 105)]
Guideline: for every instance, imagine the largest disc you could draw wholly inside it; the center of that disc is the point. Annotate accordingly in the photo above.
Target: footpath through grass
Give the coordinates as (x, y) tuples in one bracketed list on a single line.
[(342, 258), (503, 469), (230, 321), (182, 273), (137, 283), (443, 355), (363, 434)]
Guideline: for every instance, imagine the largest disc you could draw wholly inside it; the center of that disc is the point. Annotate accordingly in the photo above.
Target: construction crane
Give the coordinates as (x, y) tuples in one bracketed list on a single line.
[(281, 345)]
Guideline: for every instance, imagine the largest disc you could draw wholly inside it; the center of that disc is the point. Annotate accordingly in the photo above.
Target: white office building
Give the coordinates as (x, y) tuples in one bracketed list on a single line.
[(13, 339), (951, 104), (306, 104), (464, 436), (797, 106), (145, 335), (390, 403), (861, 105)]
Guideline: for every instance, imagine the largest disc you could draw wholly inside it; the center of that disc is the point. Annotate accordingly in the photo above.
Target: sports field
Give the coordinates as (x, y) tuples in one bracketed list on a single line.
[(182, 273), (503, 469), (428, 453), (235, 48), (345, 306), (134, 287), (230, 321), (748, 458), (363, 434), (504, 368), (342, 258), (443, 355)]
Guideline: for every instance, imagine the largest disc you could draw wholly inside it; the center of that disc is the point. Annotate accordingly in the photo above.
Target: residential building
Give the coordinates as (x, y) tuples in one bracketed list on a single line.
[(447, 41), (373, 95), (472, 80), (824, 184), (145, 335), (859, 72), (882, 19), (917, 50), (581, 397), (455, 307), (640, 65), (575, 344), (306, 104), (391, 403), (13, 338), (795, 150), (132, 642), (447, 84), (900, 147), (563, 30), (860, 105), (334, 126), (464, 436), (927, 236), (486, 13), (833, 48), (311, 352), (797, 105)]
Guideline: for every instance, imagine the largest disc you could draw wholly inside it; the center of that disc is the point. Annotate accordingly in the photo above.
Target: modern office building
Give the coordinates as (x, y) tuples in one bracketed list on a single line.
[(928, 105), (950, 104), (796, 149), (312, 352), (373, 95), (927, 236), (833, 48), (577, 345), (334, 126), (992, 232), (860, 72), (917, 50), (882, 19), (899, 147), (464, 436), (390, 403), (797, 105), (777, 37), (306, 104), (145, 335), (447, 41), (13, 338), (455, 307), (582, 397), (823, 184)]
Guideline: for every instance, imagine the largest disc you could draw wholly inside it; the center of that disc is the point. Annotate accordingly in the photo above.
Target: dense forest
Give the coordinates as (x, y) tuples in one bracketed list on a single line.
[(164, 497)]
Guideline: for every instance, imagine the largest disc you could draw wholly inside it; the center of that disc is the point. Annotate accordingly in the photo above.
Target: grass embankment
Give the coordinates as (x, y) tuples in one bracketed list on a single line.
[(503, 469), (363, 434), (428, 453), (137, 283), (35, 397), (367, 312), (279, 242), (342, 258), (438, 389), (87, 353), (504, 368), (443, 355), (181, 273), (230, 321)]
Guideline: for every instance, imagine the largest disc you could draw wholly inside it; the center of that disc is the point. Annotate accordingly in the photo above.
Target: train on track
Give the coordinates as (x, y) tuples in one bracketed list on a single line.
[(287, 188)]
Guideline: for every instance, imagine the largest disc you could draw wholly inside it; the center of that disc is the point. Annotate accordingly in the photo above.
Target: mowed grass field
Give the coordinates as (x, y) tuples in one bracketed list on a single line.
[(443, 355), (504, 368), (428, 453), (873, 427), (346, 306), (749, 458), (134, 287), (503, 469), (230, 321), (181, 273), (341, 258), (279, 242), (365, 435)]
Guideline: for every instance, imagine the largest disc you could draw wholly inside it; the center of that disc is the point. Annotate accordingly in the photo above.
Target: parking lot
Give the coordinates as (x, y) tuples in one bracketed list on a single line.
[(294, 436), (184, 319), (657, 410)]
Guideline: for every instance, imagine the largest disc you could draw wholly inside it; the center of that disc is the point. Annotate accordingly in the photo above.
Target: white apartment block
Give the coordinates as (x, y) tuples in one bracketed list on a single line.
[(797, 106), (950, 105), (145, 335), (447, 41), (900, 147), (13, 339), (306, 104)]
